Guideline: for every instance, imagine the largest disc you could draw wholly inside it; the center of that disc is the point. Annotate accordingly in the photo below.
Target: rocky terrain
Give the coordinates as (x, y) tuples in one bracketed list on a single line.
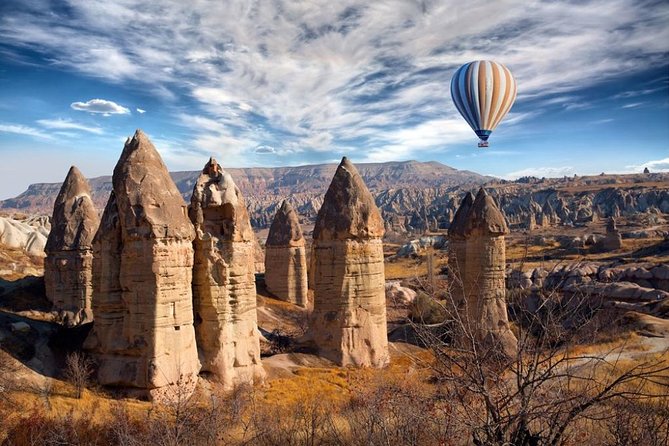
[(415, 196)]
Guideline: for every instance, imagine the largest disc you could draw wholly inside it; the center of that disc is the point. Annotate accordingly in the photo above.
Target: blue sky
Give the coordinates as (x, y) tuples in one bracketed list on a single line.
[(278, 83)]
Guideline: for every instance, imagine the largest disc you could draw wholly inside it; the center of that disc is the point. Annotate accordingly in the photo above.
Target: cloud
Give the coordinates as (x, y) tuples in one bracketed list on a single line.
[(265, 149), (539, 172), (140, 111), (323, 76), (101, 106), (66, 124), (661, 165), (18, 129)]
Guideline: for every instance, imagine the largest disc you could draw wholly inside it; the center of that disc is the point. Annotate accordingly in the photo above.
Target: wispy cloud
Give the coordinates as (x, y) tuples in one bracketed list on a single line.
[(539, 172), (320, 76), (18, 129), (141, 111), (100, 106), (66, 124), (661, 165)]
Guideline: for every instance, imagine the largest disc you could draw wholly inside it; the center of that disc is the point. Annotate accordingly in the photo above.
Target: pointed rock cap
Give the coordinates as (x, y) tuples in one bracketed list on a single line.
[(285, 229), (149, 203), (348, 209), (485, 217), (461, 216), (217, 206), (75, 219)]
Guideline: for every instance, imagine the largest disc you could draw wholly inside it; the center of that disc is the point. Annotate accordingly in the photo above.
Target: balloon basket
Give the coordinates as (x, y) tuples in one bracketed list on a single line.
[(483, 144)]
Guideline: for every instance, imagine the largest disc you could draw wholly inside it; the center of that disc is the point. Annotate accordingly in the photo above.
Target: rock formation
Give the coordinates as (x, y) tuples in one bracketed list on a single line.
[(143, 335), (28, 235), (285, 257), (68, 267), (613, 240), (457, 254), (224, 288), (484, 275), (349, 319)]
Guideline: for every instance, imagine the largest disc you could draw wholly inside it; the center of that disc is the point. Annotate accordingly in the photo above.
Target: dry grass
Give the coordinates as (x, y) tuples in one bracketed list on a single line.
[(405, 268)]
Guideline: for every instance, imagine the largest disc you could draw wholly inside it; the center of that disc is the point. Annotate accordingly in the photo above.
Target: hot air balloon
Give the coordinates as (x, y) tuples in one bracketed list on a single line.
[(483, 91)]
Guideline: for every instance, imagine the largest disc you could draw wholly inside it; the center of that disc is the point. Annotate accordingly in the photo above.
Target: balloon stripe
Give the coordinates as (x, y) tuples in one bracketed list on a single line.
[(466, 99), (472, 82), (503, 94), (456, 90), (497, 88), (480, 87), (510, 95), (488, 94), (457, 87)]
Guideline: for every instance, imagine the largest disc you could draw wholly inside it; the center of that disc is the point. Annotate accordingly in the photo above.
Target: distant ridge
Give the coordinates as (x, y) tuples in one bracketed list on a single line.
[(273, 181)]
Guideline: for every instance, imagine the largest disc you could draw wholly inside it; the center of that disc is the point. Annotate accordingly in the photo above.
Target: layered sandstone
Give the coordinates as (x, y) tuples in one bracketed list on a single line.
[(68, 267), (285, 257), (143, 334), (457, 254), (484, 275), (348, 323), (224, 289)]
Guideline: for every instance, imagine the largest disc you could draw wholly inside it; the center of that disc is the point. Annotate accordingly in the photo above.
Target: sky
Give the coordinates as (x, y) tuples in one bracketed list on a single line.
[(277, 83)]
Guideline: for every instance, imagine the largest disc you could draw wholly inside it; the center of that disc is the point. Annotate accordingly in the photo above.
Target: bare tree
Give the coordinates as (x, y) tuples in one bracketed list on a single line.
[(78, 371), (535, 396)]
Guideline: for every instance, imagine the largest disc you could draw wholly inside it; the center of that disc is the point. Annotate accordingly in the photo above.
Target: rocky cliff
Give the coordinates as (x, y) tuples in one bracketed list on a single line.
[(414, 196)]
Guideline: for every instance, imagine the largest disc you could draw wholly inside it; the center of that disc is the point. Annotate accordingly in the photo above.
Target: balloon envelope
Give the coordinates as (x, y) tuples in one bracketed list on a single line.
[(483, 92)]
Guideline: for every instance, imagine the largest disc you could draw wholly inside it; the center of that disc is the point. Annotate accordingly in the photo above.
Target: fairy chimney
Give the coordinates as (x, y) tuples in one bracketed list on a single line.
[(143, 336), (68, 267), (348, 322), (457, 255), (285, 257), (484, 286), (224, 288)]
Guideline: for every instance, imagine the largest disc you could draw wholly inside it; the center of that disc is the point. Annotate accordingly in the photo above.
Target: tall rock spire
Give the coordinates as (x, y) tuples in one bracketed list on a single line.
[(285, 257), (143, 335), (484, 276), (349, 317), (457, 256), (224, 288), (68, 267)]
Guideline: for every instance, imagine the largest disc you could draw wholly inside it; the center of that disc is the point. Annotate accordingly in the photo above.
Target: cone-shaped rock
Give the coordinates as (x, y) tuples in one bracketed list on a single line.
[(285, 257), (223, 280), (68, 267), (483, 278), (143, 334), (457, 255), (348, 323)]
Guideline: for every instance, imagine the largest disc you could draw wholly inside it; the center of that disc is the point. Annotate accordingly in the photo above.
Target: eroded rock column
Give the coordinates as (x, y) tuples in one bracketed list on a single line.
[(348, 323), (285, 257), (223, 280), (457, 254), (484, 275), (68, 267), (143, 336)]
